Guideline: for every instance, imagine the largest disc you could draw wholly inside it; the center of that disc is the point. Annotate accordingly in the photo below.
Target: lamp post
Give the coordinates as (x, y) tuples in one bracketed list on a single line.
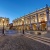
[(23, 25), (3, 27)]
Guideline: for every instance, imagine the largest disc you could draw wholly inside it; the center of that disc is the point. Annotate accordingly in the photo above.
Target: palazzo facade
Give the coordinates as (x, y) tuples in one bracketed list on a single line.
[(36, 21), (6, 23)]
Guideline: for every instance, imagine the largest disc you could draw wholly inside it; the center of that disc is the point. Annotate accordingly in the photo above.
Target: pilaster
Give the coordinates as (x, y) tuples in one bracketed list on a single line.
[(47, 15), (37, 21)]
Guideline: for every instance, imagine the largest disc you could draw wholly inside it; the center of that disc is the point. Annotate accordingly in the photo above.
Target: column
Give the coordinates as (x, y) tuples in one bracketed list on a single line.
[(37, 21), (25, 23), (47, 15), (30, 23)]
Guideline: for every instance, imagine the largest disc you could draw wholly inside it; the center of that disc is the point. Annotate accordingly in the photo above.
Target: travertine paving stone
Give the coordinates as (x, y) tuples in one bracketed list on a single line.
[(20, 43)]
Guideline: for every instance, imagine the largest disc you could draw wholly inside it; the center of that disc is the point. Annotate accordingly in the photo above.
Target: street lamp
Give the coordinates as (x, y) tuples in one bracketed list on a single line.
[(23, 25), (3, 27)]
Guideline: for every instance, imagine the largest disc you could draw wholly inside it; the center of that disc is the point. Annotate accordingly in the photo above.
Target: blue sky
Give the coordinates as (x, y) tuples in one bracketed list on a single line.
[(16, 8)]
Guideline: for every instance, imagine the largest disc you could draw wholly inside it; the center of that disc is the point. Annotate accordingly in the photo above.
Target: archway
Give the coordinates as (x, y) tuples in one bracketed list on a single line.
[(34, 27), (43, 25)]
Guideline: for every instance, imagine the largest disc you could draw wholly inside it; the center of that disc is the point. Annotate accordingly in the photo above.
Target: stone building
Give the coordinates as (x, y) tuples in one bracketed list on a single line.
[(6, 23), (36, 21)]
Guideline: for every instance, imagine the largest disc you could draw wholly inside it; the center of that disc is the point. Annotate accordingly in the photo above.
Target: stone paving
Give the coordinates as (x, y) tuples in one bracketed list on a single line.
[(43, 33), (20, 43)]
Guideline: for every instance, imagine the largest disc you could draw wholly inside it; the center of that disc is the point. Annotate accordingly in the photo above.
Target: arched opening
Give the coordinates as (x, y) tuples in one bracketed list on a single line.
[(27, 27), (34, 26), (43, 25)]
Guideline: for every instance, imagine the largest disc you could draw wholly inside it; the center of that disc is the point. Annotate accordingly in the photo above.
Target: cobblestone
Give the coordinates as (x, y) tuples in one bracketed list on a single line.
[(20, 43)]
